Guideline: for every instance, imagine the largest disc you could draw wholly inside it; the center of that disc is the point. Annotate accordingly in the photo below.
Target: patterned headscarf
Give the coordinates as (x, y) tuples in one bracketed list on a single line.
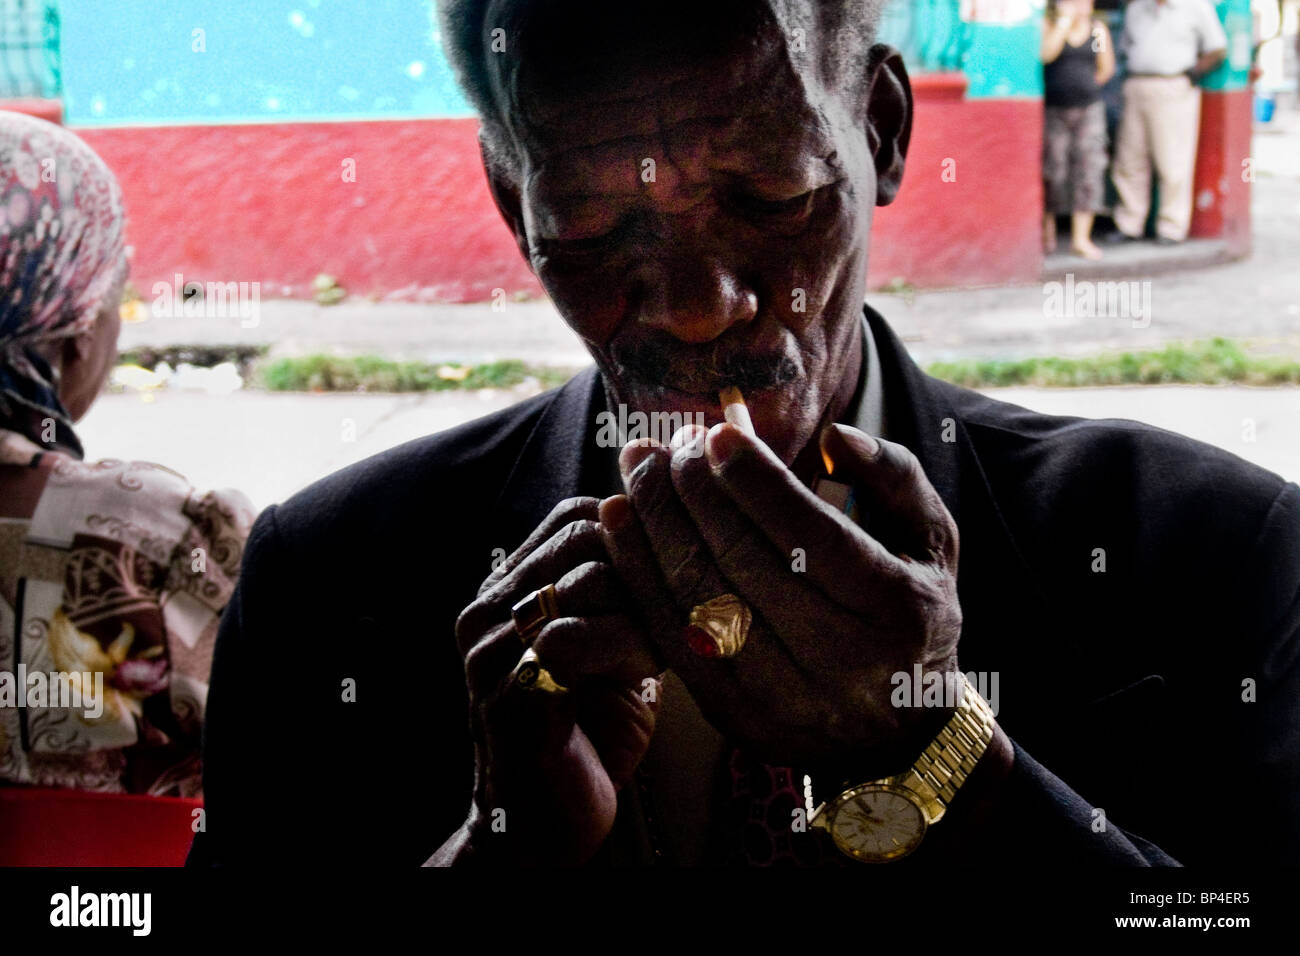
[(62, 253)]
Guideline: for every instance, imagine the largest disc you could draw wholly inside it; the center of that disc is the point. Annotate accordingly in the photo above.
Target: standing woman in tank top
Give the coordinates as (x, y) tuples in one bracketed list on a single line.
[(1078, 59)]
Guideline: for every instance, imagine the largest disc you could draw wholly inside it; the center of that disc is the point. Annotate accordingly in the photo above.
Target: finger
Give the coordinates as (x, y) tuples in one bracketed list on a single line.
[(892, 480), (682, 556), (808, 622), (525, 725), (566, 512), (591, 632), (574, 649), (690, 573), (726, 689), (632, 557), (786, 516), (618, 720), (492, 659), (574, 544), (591, 589)]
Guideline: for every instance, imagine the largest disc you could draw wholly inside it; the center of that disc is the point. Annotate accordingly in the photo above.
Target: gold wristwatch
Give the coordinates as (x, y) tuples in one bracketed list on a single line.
[(884, 820)]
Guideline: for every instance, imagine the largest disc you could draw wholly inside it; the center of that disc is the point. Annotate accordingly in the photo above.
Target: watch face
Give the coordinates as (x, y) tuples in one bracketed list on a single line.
[(875, 824)]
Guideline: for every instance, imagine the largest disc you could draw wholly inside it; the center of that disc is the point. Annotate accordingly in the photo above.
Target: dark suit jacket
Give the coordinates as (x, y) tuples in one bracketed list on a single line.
[(1122, 690)]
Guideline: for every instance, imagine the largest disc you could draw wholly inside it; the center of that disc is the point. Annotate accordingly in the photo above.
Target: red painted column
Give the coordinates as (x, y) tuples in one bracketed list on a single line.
[(1222, 195)]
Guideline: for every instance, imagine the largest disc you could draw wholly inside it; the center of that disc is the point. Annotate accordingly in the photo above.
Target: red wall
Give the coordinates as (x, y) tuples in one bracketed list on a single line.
[(983, 227), (268, 203)]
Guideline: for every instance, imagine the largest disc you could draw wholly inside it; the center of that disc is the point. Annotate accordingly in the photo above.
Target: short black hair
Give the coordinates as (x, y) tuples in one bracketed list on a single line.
[(842, 33)]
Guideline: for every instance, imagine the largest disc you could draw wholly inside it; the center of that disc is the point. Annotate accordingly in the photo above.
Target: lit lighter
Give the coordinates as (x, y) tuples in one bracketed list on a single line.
[(835, 493)]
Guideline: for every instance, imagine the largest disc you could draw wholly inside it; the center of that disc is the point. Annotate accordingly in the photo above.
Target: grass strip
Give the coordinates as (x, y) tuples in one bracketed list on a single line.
[(1217, 362), (370, 373)]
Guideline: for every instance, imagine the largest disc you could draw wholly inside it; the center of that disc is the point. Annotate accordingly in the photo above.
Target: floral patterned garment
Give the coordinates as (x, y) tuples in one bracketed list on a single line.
[(118, 568)]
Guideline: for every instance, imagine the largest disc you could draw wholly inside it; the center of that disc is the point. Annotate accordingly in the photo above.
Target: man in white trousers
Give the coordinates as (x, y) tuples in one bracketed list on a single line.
[(1170, 46)]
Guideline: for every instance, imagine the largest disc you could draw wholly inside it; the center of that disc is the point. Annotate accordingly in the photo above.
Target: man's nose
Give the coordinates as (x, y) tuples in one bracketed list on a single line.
[(695, 299)]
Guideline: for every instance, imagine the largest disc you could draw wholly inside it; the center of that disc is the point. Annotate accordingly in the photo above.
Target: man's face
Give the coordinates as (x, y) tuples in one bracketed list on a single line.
[(704, 223)]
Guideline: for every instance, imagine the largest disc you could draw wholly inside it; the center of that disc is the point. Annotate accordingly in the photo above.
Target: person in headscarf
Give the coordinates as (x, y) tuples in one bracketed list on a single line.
[(62, 227), (113, 574)]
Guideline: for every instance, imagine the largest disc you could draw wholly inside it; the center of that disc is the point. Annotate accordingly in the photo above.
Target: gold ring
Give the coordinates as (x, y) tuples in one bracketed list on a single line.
[(532, 676), (534, 612), (720, 627)]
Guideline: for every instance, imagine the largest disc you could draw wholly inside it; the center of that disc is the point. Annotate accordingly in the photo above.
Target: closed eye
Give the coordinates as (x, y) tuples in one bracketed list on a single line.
[(760, 207), (585, 247)]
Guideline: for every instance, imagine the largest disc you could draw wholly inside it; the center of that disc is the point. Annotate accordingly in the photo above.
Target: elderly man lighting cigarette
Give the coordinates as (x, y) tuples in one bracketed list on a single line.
[(568, 654)]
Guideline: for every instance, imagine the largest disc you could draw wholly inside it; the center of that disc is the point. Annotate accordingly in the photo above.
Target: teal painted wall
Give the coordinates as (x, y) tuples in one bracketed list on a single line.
[(129, 62), (999, 59), (135, 61)]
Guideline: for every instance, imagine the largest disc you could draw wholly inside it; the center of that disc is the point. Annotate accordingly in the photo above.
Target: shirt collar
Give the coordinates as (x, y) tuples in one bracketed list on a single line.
[(867, 411)]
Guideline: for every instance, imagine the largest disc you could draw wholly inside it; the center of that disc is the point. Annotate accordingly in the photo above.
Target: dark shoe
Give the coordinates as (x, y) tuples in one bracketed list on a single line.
[(1117, 238)]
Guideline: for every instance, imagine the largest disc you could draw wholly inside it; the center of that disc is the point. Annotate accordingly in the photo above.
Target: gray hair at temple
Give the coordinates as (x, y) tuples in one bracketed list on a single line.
[(571, 35)]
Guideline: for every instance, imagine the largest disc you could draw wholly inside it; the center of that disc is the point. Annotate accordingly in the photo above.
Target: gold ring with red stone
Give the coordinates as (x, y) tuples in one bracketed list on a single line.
[(719, 627)]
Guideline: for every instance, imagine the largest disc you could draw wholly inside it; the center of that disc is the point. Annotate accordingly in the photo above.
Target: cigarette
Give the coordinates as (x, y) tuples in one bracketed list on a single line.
[(735, 411)]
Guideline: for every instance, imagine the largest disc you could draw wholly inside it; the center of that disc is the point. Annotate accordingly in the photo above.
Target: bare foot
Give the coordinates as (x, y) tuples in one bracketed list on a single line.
[(1086, 249)]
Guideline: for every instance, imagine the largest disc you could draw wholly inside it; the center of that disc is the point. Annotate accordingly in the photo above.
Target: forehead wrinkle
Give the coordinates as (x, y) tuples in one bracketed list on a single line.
[(625, 116), (590, 149), (690, 158), (690, 144), (744, 76)]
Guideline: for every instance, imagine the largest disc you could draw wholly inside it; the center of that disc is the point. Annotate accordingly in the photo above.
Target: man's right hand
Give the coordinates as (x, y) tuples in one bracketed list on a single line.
[(548, 767)]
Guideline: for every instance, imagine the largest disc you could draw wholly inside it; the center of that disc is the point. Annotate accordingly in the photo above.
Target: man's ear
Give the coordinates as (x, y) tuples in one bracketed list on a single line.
[(889, 118), (505, 193)]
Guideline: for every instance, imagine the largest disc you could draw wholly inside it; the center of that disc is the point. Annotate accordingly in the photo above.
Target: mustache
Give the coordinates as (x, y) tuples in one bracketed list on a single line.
[(702, 370)]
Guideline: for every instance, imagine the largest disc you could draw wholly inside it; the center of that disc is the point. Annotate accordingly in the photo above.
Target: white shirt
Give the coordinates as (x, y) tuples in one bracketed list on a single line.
[(1167, 38)]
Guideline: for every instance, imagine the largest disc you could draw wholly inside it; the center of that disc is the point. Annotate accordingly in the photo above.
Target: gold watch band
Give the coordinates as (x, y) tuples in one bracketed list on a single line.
[(950, 758)]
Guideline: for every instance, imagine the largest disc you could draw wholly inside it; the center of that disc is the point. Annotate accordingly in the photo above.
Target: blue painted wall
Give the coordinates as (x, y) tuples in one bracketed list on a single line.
[(134, 61)]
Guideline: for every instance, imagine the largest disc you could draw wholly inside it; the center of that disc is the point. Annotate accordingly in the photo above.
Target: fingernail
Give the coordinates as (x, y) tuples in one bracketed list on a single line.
[(685, 435), (615, 512), (725, 441), (841, 438), (632, 455)]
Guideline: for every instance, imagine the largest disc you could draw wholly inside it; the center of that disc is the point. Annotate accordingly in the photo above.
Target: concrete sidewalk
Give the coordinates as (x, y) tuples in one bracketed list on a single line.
[(271, 444)]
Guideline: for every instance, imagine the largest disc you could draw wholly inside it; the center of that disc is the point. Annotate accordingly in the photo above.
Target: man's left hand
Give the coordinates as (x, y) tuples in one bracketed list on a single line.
[(837, 610)]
